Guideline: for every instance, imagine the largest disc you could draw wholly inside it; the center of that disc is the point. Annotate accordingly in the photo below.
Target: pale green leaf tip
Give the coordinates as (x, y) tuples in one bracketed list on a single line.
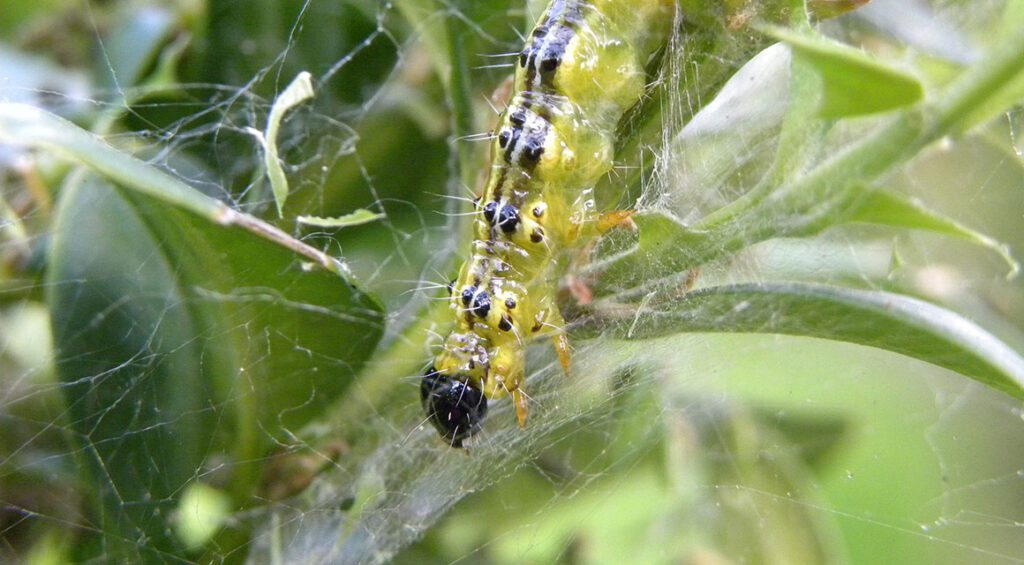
[(912, 214), (357, 218), (300, 90)]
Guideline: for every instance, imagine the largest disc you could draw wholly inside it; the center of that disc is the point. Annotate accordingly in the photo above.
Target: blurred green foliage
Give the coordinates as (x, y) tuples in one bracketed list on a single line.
[(181, 383)]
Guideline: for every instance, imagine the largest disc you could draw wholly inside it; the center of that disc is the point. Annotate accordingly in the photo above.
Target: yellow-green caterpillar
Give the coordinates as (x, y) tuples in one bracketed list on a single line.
[(582, 67)]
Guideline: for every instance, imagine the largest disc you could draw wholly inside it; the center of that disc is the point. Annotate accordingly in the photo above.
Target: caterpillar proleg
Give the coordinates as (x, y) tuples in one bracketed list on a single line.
[(582, 67)]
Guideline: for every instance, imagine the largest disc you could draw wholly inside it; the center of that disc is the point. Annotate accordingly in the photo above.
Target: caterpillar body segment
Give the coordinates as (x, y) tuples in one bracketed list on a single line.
[(582, 67)]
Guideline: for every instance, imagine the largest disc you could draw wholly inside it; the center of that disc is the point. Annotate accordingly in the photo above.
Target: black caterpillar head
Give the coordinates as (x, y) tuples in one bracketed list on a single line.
[(455, 407)]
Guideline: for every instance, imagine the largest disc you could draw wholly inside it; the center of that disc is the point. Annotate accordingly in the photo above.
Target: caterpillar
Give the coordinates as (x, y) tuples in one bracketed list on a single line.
[(581, 68)]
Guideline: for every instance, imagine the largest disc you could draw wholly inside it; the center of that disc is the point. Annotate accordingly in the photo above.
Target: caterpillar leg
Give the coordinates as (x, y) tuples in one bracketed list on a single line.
[(606, 222), (497, 387), (560, 340), (691, 279), (549, 320), (603, 224), (615, 219), (580, 290), (519, 399), (561, 343), (679, 292)]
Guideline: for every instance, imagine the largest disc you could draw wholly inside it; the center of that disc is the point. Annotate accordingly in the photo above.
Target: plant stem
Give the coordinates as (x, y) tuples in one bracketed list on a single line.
[(979, 85)]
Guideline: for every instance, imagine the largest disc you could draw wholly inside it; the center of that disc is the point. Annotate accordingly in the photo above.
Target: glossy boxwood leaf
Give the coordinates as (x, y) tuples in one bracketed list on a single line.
[(876, 319), (186, 346)]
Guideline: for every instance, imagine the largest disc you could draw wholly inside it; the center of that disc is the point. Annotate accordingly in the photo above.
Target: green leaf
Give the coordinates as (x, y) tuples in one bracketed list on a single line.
[(31, 78), (19, 14), (357, 218), (130, 51), (824, 9), (24, 125), (267, 28), (876, 319), (822, 196), (854, 83), (893, 209), (744, 454), (300, 90), (184, 344), (814, 436), (666, 247)]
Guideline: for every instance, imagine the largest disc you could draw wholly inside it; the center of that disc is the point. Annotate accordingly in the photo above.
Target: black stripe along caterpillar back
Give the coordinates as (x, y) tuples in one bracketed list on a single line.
[(582, 67)]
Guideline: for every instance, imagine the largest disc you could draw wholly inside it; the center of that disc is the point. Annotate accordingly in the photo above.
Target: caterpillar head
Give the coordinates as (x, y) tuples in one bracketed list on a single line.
[(455, 407)]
